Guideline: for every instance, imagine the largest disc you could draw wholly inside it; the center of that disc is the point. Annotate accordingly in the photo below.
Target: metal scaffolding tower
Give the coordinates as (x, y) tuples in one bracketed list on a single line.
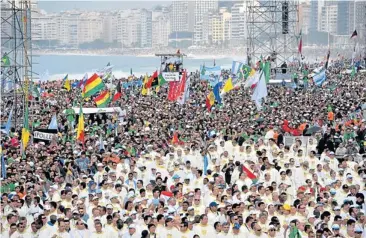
[(16, 55), (272, 30)]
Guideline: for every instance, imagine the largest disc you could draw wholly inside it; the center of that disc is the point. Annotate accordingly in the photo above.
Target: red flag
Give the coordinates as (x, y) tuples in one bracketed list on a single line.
[(151, 79), (173, 86), (249, 173), (118, 93)]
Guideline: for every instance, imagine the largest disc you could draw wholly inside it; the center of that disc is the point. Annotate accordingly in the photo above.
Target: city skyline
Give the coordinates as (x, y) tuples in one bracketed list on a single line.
[(185, 23)]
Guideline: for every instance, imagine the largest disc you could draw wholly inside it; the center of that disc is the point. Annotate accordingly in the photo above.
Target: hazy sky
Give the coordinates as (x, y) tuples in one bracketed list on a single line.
[(57, 6)]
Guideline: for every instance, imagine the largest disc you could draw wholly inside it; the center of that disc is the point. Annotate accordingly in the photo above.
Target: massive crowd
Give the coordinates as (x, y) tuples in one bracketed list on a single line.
[(293, 169)]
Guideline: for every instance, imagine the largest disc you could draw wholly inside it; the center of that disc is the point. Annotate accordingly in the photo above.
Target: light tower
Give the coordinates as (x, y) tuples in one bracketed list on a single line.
[(273, 29), (16, 55)]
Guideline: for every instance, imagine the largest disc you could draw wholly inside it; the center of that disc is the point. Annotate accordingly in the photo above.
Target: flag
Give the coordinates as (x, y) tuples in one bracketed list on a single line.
[(250, 174), (8, 123), (25, 130), (235, 67), (93, 85), (267, 71), (210, 100), (82, 82), (185, 96), (246, 71), (173, 88), (3, 166), (326, 63), (118, 93), (5, 60), (320, 77), (216, 91), (131, 71), (153, 81), (144, 89), (253, 80), (80, 132), (260, 91), (354, 34), (161, 81), (228, 86), (214, 62), (53, 125), (166, 195), (67, 84), (175, 139), (103, 99), (300, 43), (353, 72)]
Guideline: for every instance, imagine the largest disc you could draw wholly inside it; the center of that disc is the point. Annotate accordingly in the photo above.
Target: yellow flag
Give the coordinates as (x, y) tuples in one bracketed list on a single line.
[(145, 90), (228, 86), (67, 83)]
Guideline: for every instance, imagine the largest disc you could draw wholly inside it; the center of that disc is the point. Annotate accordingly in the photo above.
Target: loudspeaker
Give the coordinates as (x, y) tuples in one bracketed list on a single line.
[(285, 18)]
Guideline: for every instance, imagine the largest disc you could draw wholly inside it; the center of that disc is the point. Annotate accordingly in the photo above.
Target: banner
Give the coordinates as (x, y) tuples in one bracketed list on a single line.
[(45, 135), (210, 73), (171, 76)]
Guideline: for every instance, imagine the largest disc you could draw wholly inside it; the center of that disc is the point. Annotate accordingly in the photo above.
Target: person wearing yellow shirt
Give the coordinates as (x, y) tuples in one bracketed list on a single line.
[(203, 229), (257, 231), (184, 231), (98, 233), (61, 231)]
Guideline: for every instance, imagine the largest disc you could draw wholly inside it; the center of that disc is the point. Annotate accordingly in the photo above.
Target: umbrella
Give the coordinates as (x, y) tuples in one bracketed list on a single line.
[(313, 130)]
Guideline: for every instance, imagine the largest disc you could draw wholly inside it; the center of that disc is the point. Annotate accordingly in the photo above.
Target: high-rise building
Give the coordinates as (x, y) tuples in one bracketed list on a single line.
[(135, 28), (360, 19), (238, 24), (201, 11), (314, 10), (110, 22), (329, 16), (90, 27), (304, 17), (160, 29), (182, 16)]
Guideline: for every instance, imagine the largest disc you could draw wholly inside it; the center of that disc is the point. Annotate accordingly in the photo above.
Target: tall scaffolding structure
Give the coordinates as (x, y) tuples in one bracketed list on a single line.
[(273, 30), (16, 55)]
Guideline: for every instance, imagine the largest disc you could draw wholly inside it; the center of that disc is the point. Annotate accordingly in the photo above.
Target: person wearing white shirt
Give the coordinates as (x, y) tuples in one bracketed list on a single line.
[(80, 231), (61, 231), (203, 229)]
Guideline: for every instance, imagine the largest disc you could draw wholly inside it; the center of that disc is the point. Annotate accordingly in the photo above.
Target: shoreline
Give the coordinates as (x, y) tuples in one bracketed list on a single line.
[(142, 54)]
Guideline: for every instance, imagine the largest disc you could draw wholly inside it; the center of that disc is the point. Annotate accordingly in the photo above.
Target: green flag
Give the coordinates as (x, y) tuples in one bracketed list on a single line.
[(162, 80), (267, 71), (353, 71), (5, 60)]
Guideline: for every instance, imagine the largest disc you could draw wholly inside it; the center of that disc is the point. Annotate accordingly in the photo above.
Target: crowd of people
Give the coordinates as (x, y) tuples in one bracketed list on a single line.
[(293, 169)]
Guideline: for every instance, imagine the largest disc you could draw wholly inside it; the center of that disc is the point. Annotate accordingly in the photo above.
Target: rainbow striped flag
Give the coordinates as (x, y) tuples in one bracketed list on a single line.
[(93, 85), (103, 99)]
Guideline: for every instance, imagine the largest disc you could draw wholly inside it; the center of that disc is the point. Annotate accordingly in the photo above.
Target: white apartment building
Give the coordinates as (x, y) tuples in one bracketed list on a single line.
[(238, 24), (201, 12), (44, 27), (182, 16), (110, 26), (90, 27), (135, 28), (328, 20), (160, 29)]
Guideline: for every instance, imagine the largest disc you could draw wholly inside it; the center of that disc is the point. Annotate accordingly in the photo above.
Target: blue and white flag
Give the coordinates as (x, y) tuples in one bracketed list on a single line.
[(8, 123), (320, 77), (101, 143), (53, 125), (235, 68), (212, 74)]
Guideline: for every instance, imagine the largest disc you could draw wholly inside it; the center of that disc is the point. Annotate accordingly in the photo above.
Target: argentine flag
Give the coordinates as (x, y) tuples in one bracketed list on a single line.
[(320, 77), (236, 66)]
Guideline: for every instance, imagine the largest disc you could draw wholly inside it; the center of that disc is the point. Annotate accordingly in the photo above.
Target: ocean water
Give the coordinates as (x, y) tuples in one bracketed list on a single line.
[(53, 67)]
